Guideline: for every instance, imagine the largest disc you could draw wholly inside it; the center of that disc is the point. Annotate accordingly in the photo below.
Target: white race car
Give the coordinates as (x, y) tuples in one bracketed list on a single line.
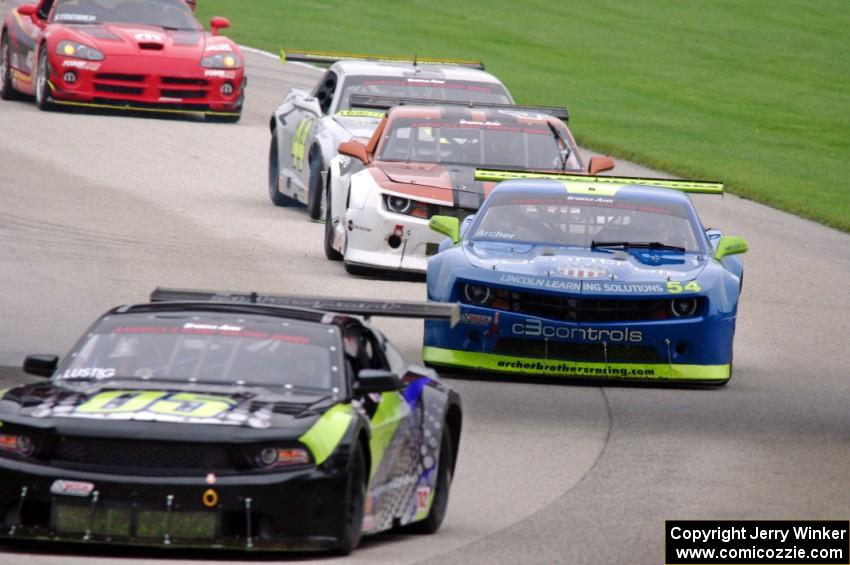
[(421, 162), (307, 128)]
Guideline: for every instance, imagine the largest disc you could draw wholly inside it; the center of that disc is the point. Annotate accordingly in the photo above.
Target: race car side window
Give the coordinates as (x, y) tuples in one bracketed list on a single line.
[(363, 351), (325, 90), (394, 358), (44, 9)]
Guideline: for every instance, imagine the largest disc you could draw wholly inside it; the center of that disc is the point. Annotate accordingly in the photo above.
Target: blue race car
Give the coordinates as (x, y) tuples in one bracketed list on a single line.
[(597, 278)]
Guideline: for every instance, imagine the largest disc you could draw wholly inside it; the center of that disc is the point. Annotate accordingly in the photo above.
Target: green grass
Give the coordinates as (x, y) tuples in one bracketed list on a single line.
[(755, 92)]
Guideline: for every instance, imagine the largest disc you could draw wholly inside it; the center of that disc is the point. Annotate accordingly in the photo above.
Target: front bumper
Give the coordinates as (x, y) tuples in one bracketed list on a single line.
[(293, 510), (171, 86), (697, 349), (370, 240)]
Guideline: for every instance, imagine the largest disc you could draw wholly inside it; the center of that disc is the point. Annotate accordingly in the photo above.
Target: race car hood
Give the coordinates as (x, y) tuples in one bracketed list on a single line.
[(129, 401), (358, 124), (134, 39), (452, 185), (641, 266)]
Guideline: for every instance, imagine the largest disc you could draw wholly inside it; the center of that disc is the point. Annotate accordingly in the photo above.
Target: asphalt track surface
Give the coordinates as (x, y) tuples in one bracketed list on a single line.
[(96, 210)]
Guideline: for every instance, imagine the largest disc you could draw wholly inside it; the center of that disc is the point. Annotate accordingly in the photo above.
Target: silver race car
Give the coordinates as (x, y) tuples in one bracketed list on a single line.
[(307, 128)]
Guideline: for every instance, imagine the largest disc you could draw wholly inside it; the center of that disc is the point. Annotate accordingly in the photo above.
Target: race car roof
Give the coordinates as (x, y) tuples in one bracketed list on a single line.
[(374, 68)]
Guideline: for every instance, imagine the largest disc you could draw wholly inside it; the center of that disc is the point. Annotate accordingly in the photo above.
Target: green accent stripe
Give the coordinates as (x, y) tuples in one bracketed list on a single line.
[(694, 186), (138, 109), (384, 425), (580, 370), (323, 437)]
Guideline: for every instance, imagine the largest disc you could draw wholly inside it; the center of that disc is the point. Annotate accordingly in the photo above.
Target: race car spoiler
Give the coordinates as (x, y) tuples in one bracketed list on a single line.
[(331, 57), (692, 186), (387, 102), (356, 306)]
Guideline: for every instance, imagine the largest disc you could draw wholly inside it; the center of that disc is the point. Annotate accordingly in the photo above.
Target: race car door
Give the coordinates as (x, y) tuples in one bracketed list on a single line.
[(300, 123), (23, 36), (392, 423)]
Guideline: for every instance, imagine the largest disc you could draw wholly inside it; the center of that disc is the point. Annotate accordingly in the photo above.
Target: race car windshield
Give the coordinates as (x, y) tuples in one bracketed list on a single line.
[(253, 351), (168, 14), (506, 141), (426, 88), (580, 221)]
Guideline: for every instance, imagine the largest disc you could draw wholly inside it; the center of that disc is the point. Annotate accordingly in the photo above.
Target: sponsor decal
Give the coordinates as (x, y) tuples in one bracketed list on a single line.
[(83, 65), (423, 495), (213, 327), (71, 488), (97, 373), (476, 319), (477, 123), (496, 234), (30, 62), (574, 272), (168, 99), (540, 282), (425, 81), (148, 37), (219, 47), (360, 114), (536, 328), (79, 18), (624, 288), (217, 73)]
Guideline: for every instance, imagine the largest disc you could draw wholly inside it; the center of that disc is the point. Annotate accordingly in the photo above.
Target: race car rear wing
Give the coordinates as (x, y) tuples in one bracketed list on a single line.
[(692, 186), (353, 306), (331, 57), (387, 102)]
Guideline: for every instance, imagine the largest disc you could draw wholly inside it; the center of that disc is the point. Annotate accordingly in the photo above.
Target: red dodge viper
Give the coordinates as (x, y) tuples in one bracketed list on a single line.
[(121, 54)]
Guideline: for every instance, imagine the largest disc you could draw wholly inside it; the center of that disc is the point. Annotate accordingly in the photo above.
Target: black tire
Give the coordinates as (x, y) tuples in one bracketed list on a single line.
[(351, 529), (276, 196), (7, 91), (315, 187), (331, 253), (435, 518), (219, 119), (42, 77)]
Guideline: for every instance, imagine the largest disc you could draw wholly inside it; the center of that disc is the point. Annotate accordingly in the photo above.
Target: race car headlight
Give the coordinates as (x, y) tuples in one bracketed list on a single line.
[(476, 294), (221, 61), (683, 307), (406, 206), (21, 445), (78, 51), (273, 457)]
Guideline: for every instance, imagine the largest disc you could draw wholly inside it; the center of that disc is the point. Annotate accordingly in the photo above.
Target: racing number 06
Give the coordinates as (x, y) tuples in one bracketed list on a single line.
[(184, 404)]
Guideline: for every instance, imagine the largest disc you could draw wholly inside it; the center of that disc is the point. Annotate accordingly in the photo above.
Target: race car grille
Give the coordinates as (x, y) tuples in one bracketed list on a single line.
[(115, 89), (184, 81), (140, 455), (170, 93), (593, 352), (574, 309), (120, 77)]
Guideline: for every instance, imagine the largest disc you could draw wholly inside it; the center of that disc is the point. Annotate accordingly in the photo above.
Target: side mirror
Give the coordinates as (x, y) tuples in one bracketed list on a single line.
[(376, 380), (30, 10), (218, 23), (446, 225), (41, 365), (354, 149), (730, 245), (599, 164)]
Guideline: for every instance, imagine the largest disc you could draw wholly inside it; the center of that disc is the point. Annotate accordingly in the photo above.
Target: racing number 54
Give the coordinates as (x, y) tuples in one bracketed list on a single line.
[(675, 287)]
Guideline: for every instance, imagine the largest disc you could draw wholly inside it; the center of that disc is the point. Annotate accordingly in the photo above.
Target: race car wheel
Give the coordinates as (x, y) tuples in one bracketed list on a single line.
[(330, 252), (42, 80), (441, 491), (7, 92), (316, 188), (355, 503), (277, 198)]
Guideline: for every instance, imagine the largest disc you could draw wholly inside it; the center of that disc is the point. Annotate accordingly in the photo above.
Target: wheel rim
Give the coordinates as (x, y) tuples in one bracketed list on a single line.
[(41, 81)]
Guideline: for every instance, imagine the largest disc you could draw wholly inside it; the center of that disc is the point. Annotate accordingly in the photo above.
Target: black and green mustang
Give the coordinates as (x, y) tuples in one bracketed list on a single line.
[(227, 420)]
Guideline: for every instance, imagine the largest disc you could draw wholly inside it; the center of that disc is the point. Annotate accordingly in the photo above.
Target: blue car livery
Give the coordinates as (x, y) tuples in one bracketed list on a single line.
[(587, 277)]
